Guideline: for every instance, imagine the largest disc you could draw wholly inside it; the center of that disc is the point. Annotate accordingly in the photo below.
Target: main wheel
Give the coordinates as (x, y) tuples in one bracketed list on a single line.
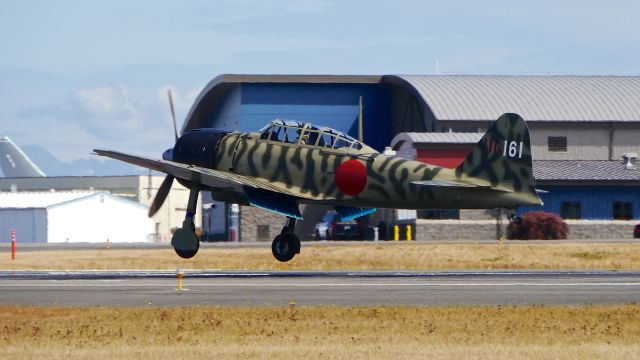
[(185, 243), (285, 247)]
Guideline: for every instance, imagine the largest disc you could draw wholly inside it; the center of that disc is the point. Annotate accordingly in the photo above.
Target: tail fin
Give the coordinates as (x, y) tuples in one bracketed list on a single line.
[(14, 162), (503, 156)]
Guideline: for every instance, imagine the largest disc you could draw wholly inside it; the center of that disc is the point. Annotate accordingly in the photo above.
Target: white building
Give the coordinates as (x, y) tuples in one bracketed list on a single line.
[(55, 217), (140, 189)]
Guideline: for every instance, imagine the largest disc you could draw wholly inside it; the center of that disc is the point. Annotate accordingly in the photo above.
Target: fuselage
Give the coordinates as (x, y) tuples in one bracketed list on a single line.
[(318, 173)]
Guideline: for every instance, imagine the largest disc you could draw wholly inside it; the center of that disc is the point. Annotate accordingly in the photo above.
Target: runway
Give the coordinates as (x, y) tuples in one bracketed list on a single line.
[(223, 288)]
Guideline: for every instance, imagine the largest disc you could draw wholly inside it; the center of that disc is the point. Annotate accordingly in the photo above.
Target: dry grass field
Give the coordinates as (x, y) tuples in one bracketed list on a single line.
[(592, 332), (383, 256)]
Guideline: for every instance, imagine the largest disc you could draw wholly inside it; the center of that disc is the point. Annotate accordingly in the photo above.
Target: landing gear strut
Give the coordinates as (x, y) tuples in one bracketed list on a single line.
[(185, 241), (511, 215), (286, 245)]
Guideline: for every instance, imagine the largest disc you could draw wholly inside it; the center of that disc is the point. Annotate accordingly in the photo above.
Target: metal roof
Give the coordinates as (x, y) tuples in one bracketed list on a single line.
[(212, 93), (470, 97), (437, 138), (39, 199), (583, 170), (535, 98), (283, 78)]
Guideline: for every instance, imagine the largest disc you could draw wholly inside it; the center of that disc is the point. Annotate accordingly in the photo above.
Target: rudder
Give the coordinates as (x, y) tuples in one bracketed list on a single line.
[(503, 156)]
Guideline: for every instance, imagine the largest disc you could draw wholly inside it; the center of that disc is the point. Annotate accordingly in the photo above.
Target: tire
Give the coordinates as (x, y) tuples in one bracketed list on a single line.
[(186, 243), (295, 241), (285, 246), (186, 254)]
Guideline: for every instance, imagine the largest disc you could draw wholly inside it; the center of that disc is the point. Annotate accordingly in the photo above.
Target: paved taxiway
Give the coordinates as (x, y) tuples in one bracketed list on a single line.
[(26, 247), (144, 288)]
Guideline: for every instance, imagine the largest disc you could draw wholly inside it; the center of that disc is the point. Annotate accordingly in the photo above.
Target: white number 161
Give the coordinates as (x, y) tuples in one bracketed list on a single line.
[(512, 149)]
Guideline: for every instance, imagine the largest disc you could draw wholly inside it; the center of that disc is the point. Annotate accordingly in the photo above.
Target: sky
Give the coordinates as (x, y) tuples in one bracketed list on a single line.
[(78, 75)]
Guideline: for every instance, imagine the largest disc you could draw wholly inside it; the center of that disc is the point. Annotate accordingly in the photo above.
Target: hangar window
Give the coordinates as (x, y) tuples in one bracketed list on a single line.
[(557, 143), (571, 210), (622, 210)]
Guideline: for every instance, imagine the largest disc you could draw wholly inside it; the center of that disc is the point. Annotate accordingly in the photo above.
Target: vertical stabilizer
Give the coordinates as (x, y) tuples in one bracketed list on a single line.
[(503, 156), (15, 163)]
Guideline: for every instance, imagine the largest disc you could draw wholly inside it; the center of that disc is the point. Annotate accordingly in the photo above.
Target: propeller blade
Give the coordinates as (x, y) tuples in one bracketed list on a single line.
[(173, 115), (163, 191)]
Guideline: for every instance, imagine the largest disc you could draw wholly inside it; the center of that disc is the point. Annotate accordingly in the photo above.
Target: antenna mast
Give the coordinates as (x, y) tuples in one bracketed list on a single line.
[(360, 135)]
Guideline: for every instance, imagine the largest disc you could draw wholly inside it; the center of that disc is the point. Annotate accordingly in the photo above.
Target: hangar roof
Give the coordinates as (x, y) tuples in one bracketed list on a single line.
[(472, 97), (313, 79), (36, 199), (535, 98), (39, 199), (583, 170)]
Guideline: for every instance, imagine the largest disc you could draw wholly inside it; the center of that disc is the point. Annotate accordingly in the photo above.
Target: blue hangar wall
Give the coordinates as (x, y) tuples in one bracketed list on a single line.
[(250, 106), (596, 202)]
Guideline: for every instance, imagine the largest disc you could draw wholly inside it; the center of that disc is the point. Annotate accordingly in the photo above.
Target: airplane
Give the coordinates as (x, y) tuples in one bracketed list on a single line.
[(288, 163), (15, 163)]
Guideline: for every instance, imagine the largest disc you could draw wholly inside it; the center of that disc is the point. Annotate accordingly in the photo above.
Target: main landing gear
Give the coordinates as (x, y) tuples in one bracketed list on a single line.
[(511, 215), (185, 241), (286, 245)]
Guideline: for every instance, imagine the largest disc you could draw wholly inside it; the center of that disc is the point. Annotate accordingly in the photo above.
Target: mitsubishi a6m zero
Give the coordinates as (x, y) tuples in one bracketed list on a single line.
[(288, 163)]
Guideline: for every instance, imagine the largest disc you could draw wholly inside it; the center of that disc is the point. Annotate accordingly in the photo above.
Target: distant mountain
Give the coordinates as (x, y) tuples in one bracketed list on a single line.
[(83, 167)]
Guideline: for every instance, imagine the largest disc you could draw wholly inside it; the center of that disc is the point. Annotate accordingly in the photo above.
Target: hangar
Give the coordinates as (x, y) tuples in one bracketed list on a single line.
[(586, 126), (136, 188), (58, 217)]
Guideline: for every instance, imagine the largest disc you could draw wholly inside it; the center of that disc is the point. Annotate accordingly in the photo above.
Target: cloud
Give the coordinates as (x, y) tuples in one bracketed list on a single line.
[(108, 111), (106, 116)]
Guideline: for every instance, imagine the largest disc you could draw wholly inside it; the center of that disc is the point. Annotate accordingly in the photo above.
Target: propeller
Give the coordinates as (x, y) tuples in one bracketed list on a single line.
[(165, 187), (161, 195), (173, 114)]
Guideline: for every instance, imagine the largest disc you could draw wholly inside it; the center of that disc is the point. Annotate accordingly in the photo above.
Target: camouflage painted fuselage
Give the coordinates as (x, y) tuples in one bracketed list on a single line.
[(493, 175)]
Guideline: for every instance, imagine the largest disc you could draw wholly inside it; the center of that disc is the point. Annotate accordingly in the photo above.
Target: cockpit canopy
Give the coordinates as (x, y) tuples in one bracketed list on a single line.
[(295, 132)]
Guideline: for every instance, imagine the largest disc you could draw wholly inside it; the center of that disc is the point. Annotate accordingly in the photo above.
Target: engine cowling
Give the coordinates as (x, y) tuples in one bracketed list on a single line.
[(197, 147)]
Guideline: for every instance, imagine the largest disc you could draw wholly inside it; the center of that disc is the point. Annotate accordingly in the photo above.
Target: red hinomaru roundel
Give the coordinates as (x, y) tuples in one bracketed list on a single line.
[(351, 177)]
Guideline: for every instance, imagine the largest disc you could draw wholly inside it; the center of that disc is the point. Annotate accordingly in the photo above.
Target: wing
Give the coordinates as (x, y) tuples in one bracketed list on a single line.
[(214, 178)]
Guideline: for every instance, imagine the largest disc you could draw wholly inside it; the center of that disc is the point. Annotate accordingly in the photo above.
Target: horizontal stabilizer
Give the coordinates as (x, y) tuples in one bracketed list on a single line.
[(273, 201), (446, 183), (347, 213), (456, 184)]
